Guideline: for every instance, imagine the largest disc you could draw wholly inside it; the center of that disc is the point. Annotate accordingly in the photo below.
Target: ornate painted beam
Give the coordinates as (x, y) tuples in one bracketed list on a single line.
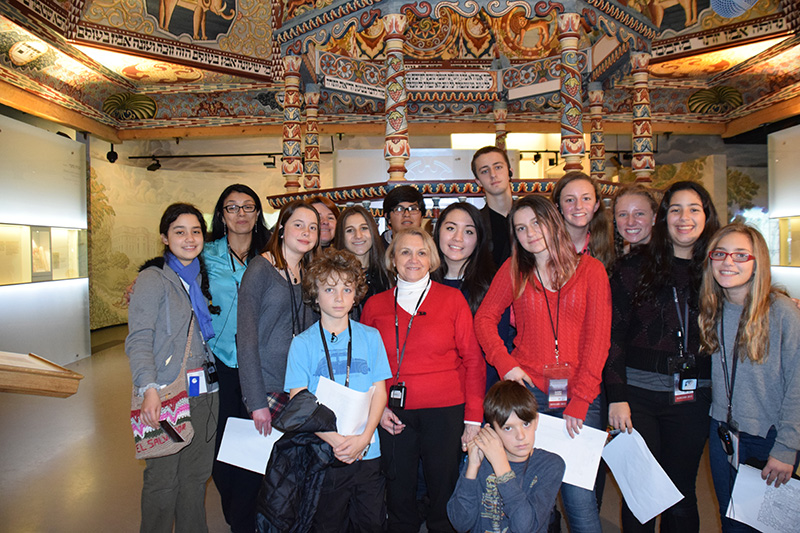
[(291, 166), (396, 149), (311, 162), (597, 149), (572, 145), (643, 163)]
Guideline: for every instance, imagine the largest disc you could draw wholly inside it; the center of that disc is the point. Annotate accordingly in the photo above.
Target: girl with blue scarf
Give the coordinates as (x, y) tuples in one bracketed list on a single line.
[(171, 292)]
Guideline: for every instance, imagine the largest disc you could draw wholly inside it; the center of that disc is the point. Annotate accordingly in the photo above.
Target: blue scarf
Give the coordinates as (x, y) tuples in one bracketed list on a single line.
[(189, 275)]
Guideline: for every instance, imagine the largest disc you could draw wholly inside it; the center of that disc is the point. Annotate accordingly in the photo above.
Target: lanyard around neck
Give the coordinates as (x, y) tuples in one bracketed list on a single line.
[(728, 382), (401, 353), (683, 322), (298, 324), (553, 326), (349, 352)]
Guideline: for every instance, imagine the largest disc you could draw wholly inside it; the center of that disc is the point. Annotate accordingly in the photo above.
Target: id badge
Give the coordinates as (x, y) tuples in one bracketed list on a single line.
[(679, 394), (196, 379), (556, 379), (733, 459)]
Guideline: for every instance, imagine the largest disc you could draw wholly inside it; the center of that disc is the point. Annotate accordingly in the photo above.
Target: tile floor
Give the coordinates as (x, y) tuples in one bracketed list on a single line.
[(67, 464)]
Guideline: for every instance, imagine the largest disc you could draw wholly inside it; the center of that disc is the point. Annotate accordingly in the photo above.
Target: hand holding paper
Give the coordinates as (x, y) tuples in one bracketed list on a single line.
[(645, 486)]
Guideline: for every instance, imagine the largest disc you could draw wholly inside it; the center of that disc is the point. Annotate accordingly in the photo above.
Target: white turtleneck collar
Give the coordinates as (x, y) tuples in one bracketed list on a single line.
[(408, 293)]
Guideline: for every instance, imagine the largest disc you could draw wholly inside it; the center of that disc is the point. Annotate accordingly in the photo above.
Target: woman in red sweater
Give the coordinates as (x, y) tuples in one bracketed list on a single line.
[(562, 305), (436, 392)]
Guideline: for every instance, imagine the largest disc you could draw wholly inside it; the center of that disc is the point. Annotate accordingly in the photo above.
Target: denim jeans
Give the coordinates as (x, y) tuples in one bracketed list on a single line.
[(579, 504), (724, 475)]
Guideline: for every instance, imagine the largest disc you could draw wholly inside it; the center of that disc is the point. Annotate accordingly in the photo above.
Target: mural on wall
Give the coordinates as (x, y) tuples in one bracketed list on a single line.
[(126, 203), (665, 175), (747, 195), (201, 19), (242, 28)]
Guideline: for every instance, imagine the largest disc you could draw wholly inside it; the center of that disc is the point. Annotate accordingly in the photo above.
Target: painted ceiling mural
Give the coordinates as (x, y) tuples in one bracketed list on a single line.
[(135, 64)]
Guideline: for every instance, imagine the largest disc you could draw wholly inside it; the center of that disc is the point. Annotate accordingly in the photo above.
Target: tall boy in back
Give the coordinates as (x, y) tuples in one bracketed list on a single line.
[(351, 498), (506, 485)]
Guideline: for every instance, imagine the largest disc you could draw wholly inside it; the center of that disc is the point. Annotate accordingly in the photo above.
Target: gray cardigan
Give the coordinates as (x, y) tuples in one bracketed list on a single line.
[(264, 330), (767, 394), (158, 323)]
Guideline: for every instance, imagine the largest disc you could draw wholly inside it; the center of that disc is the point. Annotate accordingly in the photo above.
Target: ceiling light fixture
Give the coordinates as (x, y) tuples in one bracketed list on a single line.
[(155, 165)]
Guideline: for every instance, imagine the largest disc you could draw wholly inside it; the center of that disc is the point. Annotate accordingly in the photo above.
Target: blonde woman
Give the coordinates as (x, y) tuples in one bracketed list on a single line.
[(753, 331)]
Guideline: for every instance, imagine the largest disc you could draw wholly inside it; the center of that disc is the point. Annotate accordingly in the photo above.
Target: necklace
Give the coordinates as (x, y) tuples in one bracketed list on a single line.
[(290, 275)]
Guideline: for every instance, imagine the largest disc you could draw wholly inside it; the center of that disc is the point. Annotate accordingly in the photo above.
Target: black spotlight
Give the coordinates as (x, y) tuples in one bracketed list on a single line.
[(112, 155), (155, 165), (537, 157)]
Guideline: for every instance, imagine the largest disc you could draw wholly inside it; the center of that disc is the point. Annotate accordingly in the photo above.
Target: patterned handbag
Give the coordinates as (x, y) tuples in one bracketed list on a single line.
[(155, 442)]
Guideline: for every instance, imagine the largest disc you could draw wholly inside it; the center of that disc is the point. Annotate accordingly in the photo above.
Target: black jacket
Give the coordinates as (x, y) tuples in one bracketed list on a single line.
[(293, 480)]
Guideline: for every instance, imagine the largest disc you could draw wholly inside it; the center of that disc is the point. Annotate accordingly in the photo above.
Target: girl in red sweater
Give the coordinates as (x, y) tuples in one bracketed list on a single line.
[(562, 304)]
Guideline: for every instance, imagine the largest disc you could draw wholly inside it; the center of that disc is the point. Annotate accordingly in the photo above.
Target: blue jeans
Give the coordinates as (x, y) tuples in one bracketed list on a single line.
[(579, 504), (751, 447)]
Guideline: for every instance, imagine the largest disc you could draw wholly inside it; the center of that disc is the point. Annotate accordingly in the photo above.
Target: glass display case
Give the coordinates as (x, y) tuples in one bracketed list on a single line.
[(789, 241), (40, 253)]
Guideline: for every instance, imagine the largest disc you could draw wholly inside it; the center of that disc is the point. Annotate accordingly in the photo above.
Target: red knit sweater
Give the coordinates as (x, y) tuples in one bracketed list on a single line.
[(443, 365), (584, 329)]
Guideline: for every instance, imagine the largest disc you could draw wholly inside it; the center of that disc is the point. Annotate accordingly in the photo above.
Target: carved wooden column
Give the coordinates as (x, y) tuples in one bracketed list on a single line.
[(500, 110), (396, 150), (643, 163), (572, 145), (311, 162), (597, 148), (291, 166)]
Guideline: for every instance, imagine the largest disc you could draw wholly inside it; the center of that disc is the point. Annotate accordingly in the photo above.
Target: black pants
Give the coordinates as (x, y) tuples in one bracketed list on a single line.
[(676, 435), (238, 488), (435, 436), (352, 499)]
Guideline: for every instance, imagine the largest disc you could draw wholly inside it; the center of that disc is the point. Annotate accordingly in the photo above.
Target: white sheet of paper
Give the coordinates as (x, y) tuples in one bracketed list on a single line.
[(243, 446), (581, 454), (350, 407), (763, 506), (647, 489)]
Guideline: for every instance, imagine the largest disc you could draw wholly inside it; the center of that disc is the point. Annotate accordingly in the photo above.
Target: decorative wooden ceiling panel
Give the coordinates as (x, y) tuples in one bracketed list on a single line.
[(138, 64)]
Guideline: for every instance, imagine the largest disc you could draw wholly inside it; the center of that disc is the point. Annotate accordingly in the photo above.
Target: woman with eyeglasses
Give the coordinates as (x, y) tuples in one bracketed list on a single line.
[(237, 235), (403, 207), (656, 378), (753, 331)]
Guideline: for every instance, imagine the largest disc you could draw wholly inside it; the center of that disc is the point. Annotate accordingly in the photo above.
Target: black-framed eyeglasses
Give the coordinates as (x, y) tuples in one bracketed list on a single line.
[(411, 209), (738, 257), (233, 209)]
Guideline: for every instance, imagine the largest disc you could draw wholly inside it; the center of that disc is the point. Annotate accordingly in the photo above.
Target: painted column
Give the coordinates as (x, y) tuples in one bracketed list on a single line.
[(291, 165), (311, 163), (500, 110), (643, 163), (396, 149), (572, 145), (597, 148)]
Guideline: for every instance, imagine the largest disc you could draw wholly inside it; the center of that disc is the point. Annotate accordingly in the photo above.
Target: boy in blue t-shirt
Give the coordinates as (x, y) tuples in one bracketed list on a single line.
[(514, 489), (353, 489)]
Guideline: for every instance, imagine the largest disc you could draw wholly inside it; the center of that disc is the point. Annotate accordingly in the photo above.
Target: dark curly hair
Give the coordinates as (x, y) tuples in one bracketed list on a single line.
[(659, 254)]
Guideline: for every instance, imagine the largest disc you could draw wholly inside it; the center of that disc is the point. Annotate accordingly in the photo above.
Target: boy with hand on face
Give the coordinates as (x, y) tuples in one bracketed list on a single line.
[(353, 355), (506, 485)]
